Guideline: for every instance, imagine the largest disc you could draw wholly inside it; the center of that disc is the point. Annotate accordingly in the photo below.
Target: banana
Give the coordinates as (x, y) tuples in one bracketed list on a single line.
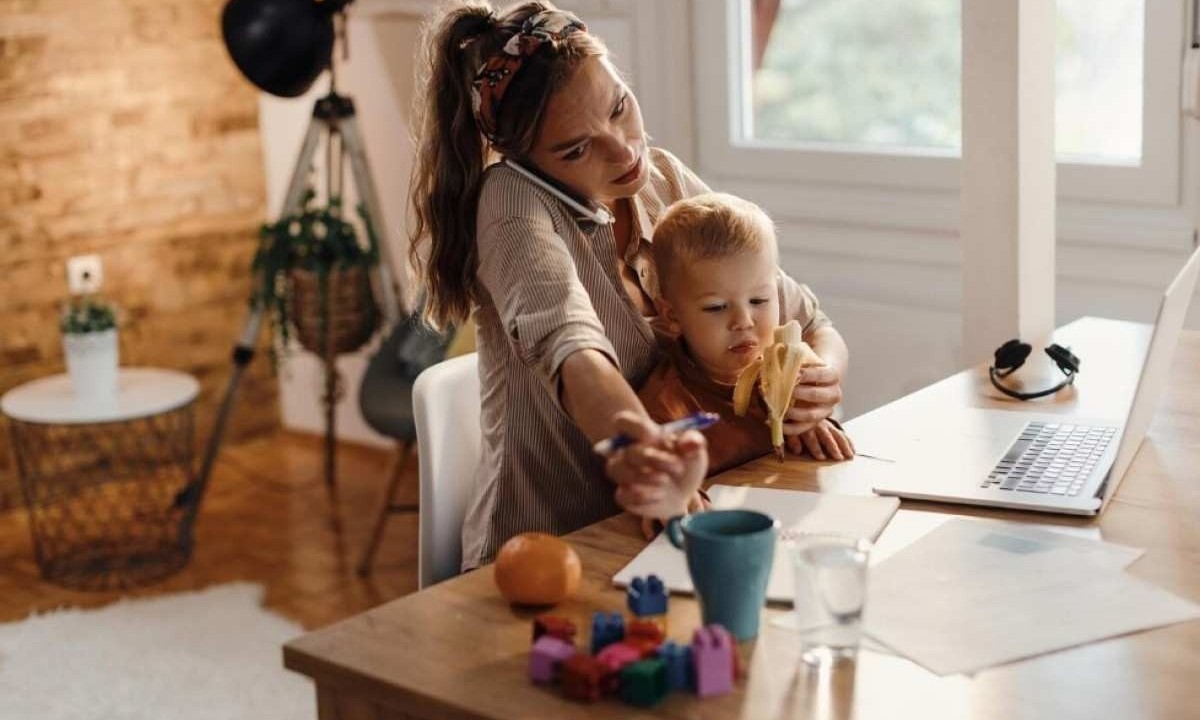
[(775, 373)]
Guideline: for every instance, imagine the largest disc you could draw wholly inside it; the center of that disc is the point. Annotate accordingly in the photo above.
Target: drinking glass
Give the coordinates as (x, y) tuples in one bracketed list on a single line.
[(830, 591)]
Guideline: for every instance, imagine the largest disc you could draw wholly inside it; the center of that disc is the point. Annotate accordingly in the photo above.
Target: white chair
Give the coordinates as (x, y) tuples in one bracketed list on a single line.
[(446, 407)]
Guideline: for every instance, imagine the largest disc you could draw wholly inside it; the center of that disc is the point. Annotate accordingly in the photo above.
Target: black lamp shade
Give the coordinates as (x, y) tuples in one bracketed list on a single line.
[(281, 46)]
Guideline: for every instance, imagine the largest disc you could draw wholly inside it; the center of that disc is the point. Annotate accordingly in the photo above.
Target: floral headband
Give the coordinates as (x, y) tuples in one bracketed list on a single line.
[(494, 77)]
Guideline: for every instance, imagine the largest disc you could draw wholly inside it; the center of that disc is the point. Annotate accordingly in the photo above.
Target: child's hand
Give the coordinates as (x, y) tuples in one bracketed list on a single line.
[(657, 476), (818, 391), (822, 441), (653, 526)]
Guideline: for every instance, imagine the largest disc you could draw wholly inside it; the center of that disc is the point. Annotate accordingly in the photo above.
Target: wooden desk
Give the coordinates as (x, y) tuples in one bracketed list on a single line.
[(457, 650)]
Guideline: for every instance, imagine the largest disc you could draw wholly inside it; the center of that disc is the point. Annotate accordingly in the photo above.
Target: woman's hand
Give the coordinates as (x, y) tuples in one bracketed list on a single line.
[(818, 391), (658, 475), (824, 441), (652, 526)]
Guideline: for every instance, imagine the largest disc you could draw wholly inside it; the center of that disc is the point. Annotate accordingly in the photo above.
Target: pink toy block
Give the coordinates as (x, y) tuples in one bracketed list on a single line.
[(618, 655), (559, 627), (547, 655), (612, 659), (713, 660)]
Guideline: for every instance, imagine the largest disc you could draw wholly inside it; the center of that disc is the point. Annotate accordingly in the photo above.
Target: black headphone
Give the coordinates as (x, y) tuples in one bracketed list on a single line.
[(1012, 354)]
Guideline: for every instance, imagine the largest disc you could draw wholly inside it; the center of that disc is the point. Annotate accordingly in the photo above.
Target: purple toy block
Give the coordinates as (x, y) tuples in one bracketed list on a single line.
[(548, 653), (606, 630), (712, 659), (647, 597), (679, 665)]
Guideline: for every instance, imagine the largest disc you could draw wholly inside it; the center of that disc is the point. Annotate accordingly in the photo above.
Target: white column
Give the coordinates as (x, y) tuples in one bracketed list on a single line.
[(1008, 173)]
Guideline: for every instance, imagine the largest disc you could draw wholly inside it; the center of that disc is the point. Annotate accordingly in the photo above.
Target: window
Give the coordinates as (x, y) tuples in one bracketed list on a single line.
[(858, 92)]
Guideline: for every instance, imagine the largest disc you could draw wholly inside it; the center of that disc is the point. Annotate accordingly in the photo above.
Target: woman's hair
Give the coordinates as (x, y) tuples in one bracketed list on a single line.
[(703, 227), (452, 152)]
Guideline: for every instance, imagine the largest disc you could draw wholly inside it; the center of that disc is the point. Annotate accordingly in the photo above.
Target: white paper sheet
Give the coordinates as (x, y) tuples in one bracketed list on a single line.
[(908, 526), (797, 511), (973, 594)]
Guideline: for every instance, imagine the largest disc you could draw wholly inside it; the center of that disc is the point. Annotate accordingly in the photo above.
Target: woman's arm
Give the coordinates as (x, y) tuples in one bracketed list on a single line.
[(657, 477), (593, 391)]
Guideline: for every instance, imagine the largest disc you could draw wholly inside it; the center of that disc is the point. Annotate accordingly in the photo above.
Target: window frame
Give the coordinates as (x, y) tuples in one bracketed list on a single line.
[(720, 120)]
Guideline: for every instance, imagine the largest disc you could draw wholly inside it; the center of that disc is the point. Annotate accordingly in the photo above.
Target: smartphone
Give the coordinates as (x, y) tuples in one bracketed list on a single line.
[(600, 216)]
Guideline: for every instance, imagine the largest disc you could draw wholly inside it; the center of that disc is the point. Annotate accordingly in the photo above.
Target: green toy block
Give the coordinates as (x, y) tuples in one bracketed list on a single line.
[(644, 682)]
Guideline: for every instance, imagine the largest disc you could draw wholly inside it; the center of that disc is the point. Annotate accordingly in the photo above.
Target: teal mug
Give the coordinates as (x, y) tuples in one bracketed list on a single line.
[(729, 556)]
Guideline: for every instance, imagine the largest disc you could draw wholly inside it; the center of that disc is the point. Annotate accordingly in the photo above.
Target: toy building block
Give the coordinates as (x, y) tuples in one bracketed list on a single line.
[(612, 660), (644, 630), (617, 655), (606, 630), (678, 659), (644, 682), (547, 655), (712, 660), (582, 677), (559, 627), (647, 596)]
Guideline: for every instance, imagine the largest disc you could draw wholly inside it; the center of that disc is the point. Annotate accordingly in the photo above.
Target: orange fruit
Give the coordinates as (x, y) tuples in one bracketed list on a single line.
[(537, 569)]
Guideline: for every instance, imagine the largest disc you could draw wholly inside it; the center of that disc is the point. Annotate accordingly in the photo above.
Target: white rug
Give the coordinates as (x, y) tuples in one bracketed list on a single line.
[(208, 655)]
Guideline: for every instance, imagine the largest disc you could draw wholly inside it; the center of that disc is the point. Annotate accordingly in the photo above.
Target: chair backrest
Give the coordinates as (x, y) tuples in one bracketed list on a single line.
[(446, 407)]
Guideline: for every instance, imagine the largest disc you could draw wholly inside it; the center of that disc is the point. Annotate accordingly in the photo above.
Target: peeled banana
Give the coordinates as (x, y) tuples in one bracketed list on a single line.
[(776, 373)]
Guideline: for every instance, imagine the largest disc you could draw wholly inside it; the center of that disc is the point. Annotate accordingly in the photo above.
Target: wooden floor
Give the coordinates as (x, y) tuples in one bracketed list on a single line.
[(267, 518)]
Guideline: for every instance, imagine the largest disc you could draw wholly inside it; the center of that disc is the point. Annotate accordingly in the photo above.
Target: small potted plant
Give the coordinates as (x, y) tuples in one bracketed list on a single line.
[(89, 333), (313, 278)]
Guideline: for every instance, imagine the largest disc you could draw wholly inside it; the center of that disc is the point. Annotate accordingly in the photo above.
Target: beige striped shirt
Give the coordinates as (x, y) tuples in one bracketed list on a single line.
[(550, 286)]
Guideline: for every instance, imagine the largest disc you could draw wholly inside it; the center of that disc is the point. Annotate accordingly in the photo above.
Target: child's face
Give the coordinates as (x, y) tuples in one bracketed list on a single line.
[(727, 310)]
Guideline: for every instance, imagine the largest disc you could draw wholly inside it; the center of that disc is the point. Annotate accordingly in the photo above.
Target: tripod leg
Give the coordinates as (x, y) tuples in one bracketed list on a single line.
[(348, 126), (299, 181), (243, 350)]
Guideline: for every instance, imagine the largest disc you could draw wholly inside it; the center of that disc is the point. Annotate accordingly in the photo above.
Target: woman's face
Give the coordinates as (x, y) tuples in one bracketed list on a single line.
[(591, 139)]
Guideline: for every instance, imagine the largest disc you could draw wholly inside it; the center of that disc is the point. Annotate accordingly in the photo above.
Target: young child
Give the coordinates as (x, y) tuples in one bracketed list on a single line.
[(718, 304)]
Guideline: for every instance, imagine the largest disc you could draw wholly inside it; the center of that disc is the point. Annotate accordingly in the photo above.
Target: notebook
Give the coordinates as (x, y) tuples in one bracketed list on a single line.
[(797, 512)]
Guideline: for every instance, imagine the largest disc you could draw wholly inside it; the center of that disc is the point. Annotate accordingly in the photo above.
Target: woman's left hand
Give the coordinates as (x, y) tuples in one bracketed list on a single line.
[(818, 391)]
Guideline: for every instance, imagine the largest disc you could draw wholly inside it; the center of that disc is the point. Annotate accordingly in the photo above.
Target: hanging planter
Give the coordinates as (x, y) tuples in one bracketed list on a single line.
[(315, 278), (89, 335), (352, 313)]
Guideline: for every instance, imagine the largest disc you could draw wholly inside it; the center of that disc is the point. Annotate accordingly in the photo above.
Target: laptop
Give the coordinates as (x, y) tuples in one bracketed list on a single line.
[(1042, 462)]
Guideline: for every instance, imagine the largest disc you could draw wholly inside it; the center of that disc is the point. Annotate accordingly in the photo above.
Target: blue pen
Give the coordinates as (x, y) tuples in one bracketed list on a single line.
[(695, 421)]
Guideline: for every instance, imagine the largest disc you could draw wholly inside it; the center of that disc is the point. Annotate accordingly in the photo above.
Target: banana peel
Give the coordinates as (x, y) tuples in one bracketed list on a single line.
[(775, 374)]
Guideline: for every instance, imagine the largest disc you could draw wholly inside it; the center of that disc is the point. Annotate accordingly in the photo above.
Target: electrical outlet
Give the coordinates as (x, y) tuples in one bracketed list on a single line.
[(84, 274)]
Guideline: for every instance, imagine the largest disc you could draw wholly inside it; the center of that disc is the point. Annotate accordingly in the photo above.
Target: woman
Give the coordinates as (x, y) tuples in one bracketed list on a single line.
[(561, 295)]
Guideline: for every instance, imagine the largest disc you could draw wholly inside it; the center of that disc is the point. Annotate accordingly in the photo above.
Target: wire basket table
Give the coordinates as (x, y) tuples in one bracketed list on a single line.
[(106, 482)]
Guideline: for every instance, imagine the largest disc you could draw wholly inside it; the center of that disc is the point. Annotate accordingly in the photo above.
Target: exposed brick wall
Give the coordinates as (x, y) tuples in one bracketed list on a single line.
[(126, 131)]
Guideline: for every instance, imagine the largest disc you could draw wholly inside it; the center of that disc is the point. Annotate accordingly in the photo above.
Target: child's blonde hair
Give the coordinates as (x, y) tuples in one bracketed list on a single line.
[(713, 225)]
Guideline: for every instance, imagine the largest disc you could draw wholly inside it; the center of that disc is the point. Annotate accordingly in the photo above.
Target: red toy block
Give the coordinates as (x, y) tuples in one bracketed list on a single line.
[(644, 630), (582, 678), (559, 627)]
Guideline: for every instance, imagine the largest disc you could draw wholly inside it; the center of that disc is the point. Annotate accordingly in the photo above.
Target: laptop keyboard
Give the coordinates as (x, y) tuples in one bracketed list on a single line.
[(1053, 458)]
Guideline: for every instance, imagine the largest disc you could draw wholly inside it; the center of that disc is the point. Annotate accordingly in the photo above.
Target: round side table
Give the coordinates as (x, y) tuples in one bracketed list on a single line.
[(104, 481)]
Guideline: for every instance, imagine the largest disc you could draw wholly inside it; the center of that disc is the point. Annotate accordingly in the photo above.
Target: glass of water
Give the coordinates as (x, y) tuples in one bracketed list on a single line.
[(830, 591)]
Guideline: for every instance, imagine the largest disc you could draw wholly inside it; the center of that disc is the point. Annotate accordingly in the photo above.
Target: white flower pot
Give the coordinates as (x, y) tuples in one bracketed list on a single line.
[(92, 363)]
